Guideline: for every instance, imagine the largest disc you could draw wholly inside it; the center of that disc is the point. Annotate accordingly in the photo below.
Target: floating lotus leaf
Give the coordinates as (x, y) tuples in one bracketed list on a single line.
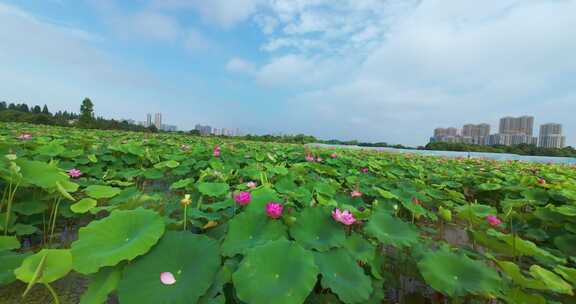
[(57, 264), (343, 276), (213, 189), (279, 272), (98, 191), (391, 230), (8, 243), (192, 259), (8, 262), (181, 183), (123, 235), (458, 275), (518, 296), (83, 205), (101, 284), (316, 229), (360, 248), (29, 207), (552, 281), (247, 230)]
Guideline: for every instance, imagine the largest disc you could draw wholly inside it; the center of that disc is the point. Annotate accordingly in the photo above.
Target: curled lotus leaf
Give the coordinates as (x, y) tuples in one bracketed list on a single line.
[(123, 235), (57, 263)]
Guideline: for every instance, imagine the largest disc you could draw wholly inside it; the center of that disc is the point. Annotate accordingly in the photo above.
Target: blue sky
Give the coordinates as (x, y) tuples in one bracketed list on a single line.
[(370, 70)]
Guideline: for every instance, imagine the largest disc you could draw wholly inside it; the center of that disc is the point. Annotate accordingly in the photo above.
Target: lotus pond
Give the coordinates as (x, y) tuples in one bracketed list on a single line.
[(167, 218)]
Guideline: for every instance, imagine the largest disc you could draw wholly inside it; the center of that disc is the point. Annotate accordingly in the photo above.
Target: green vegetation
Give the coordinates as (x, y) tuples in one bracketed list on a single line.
[(523, 149), (172, 218)]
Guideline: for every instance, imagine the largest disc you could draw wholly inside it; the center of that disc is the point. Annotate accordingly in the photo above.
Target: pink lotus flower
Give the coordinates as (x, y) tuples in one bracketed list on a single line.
[(493, 220), (25, 136), (355, 193), (541, 181), (74, 173), (333, 155), (309, 157), (167, 278), (242, 198), (216, 151), (364, 170), (344, 217), (251, 185), (318, 159), (274, 210)]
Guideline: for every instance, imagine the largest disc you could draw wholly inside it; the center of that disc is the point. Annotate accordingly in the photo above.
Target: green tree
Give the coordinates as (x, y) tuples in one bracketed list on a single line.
[(45, 110), (86, 111), (36, 110)]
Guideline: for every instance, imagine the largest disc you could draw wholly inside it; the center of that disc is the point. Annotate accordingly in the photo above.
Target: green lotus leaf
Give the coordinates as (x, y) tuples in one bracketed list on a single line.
[(391, 230), (8, 243), (280, 271), (51, 149), (554, 282), (58, 262), (474, 212), (386, 194), (567, 273), (260, 198), (8, 262), (29, 207), (181, 183), (41, 174), (24, 229), (83, 205), (101, 284), (513, 271), (343, 276), (213, 189), (523, 247), (518, 296), (167, 164), (315, 229), (248, 230), (123, 235), (489, 187), (360, 248), (192, 259), (567, 210), (98, 191), (458, 275), (566, 243)]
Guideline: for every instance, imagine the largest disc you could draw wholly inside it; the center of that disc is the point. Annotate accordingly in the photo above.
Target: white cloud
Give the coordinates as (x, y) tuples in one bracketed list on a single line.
[(446, 63), (196, 41), (239, 65), (225, 13)]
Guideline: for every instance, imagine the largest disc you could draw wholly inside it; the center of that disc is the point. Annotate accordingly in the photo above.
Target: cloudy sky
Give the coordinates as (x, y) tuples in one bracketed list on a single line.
[(372, 70)]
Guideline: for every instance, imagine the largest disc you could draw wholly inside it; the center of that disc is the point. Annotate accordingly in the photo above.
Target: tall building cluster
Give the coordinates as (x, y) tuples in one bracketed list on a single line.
[(208, 130), (511, 131), (157, 123)]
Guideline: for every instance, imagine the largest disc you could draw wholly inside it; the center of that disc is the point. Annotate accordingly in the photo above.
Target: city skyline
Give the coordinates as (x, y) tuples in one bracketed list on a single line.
[(511, 131), (373, 71)]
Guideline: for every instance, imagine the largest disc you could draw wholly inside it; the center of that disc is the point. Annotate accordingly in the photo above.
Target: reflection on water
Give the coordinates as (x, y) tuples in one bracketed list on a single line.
[(496, 156)]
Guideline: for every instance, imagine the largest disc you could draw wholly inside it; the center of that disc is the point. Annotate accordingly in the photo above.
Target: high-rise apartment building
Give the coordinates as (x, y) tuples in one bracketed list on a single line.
[(148, 120), (158, 120), (517, 125), (551, 136)]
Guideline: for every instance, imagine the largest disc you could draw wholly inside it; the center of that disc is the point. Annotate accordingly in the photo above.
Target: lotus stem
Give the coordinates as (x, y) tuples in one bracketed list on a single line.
[(53, 218), (53, 293), (185, 215)]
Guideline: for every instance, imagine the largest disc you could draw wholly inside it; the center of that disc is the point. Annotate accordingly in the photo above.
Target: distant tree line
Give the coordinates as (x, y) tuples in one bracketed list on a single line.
[(522, 149), (21, 112), (363, 144)]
